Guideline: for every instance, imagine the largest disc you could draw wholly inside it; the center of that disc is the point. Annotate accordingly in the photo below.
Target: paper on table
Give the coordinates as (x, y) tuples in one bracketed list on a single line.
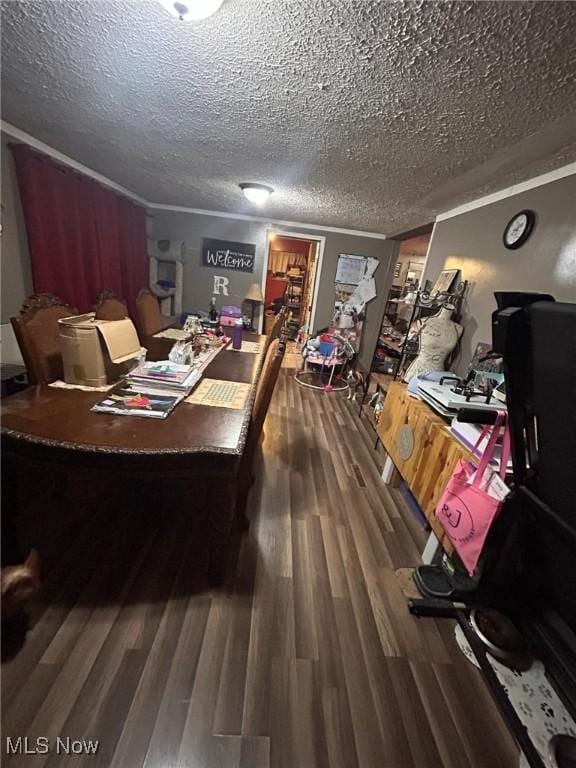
[(172, 333), (220, 394), (82, 387)]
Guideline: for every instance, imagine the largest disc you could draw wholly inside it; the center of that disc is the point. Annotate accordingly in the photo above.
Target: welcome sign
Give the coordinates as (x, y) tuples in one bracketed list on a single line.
[(225, 254)]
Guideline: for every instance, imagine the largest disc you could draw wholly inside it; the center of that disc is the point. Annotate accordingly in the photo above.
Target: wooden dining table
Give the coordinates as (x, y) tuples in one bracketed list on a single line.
[(198, 444)]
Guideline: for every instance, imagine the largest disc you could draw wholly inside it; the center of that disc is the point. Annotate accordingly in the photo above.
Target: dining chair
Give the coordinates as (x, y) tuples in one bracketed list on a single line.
[(276, 329), (279, 323), (37, 334), (264, 392), (150, 319), (110, 307)]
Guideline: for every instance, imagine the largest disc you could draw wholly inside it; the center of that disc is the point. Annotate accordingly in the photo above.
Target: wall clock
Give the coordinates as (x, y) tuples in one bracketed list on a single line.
[(519, 229)]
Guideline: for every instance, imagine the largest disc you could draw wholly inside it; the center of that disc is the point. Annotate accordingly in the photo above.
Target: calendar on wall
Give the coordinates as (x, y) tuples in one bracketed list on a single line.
[(354, 288), (350, 269)]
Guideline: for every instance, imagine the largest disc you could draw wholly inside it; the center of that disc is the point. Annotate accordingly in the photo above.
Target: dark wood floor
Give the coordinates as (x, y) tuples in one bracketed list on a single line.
[(308, 658)]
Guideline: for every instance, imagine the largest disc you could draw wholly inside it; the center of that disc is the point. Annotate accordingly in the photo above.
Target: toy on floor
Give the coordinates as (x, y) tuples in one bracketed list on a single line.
[(302, 336), (329, 352)]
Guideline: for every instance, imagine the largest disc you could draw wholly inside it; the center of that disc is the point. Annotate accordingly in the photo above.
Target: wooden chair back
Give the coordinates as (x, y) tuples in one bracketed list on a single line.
[(150, 319), (265, 388), (276, 329), (264, 392), (38, 336), (110, 307)]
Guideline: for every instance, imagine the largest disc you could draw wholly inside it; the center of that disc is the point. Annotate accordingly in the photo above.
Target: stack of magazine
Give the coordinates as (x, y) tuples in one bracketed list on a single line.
[(152, 390), (165, 375)]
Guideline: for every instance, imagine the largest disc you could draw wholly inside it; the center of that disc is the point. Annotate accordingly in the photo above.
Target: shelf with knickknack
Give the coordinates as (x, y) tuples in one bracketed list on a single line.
[(398, 342), (295, 299), (398, 345)]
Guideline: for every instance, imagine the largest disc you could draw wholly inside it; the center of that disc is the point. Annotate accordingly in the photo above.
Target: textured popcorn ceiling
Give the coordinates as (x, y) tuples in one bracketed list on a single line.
[(362, 114)]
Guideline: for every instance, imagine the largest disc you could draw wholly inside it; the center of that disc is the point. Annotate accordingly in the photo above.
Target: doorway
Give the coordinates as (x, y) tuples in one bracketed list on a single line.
[(293, 266), (398, 309)]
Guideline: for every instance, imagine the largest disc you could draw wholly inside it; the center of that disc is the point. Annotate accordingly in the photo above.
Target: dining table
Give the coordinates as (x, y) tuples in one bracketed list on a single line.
[(201, 445)]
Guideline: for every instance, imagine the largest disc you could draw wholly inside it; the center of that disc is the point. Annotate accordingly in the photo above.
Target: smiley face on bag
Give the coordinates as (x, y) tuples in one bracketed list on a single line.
[(457, 516)]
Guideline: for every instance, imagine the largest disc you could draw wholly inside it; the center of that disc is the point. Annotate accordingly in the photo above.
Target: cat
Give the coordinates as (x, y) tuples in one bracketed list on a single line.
[(18, 584), (355, 381)]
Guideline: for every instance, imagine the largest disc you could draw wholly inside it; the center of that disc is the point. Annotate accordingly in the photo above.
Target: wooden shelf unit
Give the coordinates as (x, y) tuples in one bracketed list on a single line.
[(295, 302)]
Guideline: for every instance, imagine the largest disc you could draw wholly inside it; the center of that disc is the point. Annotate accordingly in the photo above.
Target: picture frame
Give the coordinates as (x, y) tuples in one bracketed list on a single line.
[(446, 281)]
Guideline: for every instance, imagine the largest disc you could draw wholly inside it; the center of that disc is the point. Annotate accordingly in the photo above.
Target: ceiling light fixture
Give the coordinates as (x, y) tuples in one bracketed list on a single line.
[(191, 10), (256, 193)]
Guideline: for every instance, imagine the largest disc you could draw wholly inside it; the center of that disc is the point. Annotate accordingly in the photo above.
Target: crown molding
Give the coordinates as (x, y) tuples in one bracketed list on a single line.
[(516, 189), (267, 220), (26, 138)]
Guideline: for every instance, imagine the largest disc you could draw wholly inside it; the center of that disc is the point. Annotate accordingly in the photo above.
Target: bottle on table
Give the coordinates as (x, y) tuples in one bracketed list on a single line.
[(237, 334)]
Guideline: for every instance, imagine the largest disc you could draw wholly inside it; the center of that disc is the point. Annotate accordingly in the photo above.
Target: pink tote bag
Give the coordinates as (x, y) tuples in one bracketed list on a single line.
[(465, 510)]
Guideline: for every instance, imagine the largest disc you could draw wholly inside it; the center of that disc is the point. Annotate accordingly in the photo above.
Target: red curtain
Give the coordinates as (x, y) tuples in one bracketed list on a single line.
[(82, 237)]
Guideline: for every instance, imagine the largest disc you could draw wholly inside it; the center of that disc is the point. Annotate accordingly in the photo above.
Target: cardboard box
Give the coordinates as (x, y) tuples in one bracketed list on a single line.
[(97, 352)]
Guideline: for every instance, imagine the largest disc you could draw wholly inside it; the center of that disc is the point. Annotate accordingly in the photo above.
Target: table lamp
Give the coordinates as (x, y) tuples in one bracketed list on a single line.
[(254, 296)]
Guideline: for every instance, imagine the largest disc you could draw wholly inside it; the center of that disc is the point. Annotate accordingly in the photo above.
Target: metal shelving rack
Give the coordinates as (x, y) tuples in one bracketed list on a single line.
[(295, 302), (403, 350), (426, 305)]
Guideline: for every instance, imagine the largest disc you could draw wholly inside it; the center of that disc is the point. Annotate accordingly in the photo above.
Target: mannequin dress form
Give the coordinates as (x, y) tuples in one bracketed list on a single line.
[(439, 335)]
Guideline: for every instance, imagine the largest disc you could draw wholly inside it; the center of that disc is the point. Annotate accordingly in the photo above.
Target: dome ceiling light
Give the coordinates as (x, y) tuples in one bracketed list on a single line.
[(256, 193), (191, 10)]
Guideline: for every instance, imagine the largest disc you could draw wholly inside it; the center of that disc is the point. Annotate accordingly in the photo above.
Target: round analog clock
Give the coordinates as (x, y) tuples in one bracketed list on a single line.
[(519, 229)]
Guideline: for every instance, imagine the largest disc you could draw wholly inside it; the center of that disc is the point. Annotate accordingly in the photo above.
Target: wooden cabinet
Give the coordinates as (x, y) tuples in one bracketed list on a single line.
[(422, 448)]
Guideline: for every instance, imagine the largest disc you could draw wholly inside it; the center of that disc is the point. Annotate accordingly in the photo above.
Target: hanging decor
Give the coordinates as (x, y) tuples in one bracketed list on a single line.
[(226, 254), (354, 288)]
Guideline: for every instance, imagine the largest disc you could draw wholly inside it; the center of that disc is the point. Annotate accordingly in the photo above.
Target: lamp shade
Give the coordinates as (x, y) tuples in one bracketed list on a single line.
[(254, 293)]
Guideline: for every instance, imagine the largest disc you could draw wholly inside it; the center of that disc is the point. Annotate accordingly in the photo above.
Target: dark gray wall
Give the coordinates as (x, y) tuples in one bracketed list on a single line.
[(198, 280), (16, 275), (472, 242), (384, 251)]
